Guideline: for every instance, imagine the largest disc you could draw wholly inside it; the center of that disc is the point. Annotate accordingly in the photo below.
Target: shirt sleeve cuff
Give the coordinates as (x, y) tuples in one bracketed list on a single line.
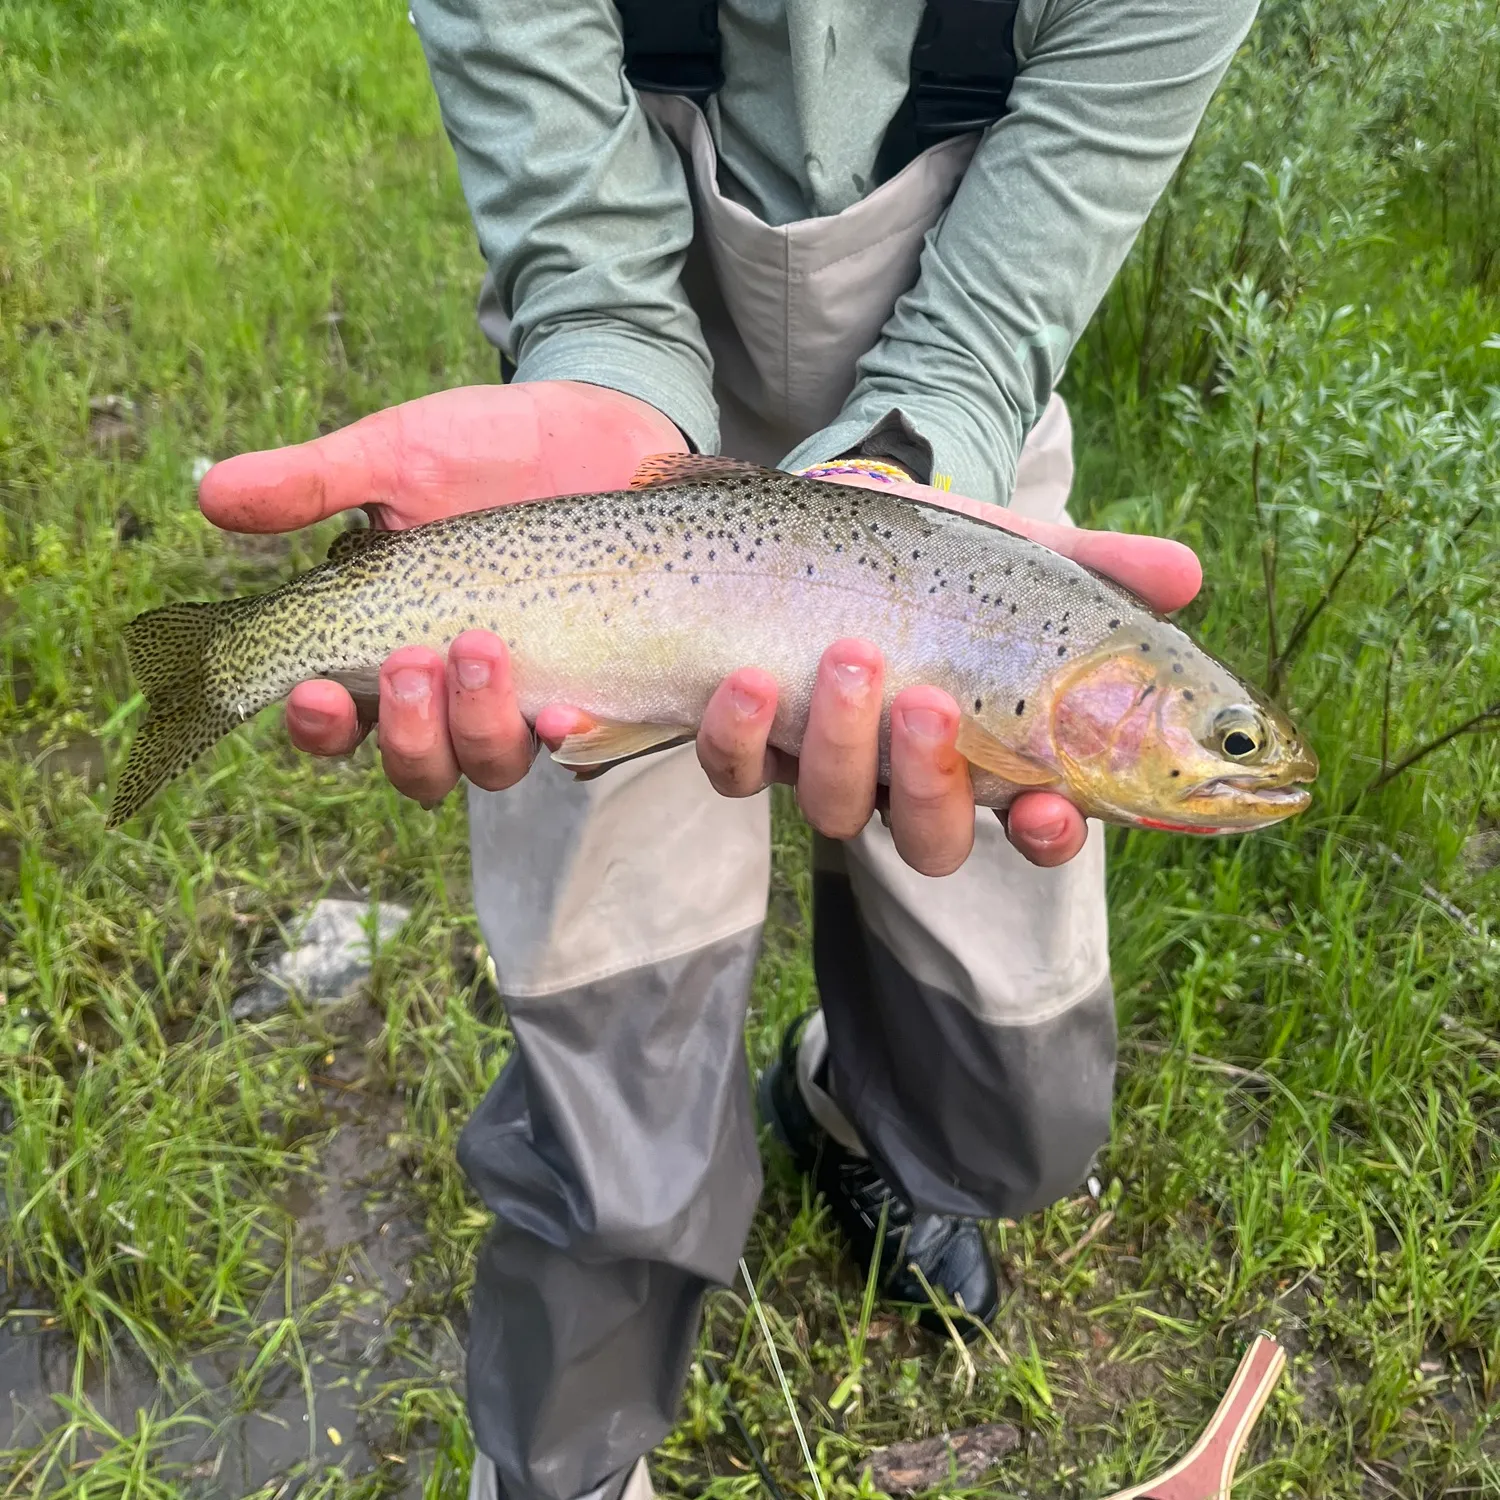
[(650, 371), (956, 458)]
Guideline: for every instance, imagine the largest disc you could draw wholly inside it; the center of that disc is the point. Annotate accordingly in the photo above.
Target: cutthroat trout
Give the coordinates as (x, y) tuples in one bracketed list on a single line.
[(634, 605)]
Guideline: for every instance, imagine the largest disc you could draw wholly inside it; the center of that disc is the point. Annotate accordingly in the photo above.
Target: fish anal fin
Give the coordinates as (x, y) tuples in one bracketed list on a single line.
[(593, 751), (978, 746), (690, 468)]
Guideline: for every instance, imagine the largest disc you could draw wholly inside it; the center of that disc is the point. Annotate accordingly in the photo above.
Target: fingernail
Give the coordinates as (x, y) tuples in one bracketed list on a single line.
[(410, 685), (853, 678), (312, 718), (473, 673), (746, 703), (1046, 833), (925, 724)]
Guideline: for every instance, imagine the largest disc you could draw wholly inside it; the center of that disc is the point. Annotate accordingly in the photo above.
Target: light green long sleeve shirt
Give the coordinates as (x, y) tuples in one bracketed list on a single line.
[(584, 217)]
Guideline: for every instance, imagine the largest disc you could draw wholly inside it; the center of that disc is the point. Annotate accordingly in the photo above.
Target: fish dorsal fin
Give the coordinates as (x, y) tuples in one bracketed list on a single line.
[(349, 544), (691, 468), (979, 747), (608, 743)]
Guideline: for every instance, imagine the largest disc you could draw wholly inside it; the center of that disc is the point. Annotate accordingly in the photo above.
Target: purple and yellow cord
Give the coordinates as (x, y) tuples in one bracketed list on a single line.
[(871, 467)]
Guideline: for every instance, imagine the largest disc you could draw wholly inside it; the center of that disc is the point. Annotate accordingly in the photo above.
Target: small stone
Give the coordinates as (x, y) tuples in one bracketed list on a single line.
[(330, 958), (1482, 850), (114, 423), (958, 1458)]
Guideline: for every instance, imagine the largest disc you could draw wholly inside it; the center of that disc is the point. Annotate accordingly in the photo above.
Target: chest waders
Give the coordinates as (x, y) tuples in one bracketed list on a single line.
[(968, 1022)]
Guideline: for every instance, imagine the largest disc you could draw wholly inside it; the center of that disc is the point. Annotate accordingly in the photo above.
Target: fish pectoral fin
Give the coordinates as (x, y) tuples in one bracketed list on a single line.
[(691, 468), (981, 748), (608, 743)]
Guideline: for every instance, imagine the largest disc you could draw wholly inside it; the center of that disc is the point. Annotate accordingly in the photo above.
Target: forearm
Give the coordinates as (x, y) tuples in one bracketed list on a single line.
[(579, 204), (1106, 103)]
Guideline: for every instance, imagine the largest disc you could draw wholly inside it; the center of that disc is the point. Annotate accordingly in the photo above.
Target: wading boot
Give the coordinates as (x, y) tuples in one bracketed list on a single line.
[(950, 1252)]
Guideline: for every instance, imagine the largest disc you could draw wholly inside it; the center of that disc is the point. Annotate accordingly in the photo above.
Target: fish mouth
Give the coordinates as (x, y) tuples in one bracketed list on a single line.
[(1240, 787), (1242, 795)]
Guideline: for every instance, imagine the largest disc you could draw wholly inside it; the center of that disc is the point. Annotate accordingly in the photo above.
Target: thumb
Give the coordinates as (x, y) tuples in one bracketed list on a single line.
[(284, 489)]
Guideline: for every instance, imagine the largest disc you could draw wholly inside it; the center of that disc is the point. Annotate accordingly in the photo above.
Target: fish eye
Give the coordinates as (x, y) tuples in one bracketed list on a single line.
[(1240, 733)]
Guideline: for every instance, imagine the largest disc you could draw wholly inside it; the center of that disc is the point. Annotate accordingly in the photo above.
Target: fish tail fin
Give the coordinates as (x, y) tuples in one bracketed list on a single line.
[(188, 710)]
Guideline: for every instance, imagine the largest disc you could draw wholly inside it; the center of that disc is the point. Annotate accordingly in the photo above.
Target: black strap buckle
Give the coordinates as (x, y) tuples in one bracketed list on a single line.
[(672, 46), (963, 64)]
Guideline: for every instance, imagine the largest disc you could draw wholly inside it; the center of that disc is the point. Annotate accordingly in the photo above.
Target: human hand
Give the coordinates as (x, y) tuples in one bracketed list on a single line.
[(454, 451)]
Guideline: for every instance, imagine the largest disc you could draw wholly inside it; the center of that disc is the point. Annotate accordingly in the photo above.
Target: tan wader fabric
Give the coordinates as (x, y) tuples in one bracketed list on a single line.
[(968, 1021)]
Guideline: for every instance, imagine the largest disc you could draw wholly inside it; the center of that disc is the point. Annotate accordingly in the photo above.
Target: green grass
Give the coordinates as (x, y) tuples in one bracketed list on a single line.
[(245, 220)]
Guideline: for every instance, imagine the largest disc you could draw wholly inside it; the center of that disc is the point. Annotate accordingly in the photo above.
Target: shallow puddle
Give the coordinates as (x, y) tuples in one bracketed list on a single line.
[(303, 1417)]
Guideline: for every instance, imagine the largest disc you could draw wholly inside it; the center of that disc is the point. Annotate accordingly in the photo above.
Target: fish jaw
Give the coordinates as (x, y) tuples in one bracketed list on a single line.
[(1233, 804)]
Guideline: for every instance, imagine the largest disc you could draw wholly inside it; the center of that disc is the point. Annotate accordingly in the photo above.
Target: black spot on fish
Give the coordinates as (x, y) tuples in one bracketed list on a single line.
[(978, 704), (1114, 624), (1145, 646), (1177, 666), (1062, 650), (1176, 774), (1020, 707), (1188, 694)]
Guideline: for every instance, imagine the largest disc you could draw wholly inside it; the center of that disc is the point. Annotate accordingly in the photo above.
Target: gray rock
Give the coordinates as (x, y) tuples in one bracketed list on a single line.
[(330, 957)]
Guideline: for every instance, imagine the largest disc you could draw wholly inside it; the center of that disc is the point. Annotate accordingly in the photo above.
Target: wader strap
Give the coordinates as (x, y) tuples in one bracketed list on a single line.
[(963, 63), (672, 46)]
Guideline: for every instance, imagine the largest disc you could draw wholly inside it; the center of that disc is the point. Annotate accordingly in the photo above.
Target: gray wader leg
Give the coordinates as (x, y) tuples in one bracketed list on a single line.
[(969, 1021), (617, 1149)]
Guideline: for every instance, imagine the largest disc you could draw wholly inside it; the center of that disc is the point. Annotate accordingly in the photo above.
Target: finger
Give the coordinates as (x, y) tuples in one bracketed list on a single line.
[(732, 740), (1045, 828), (414, 745), (322, 720), (840, 758), (1166, 574), (557, 721), (491, 741), (932, 801), (283, 489)]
